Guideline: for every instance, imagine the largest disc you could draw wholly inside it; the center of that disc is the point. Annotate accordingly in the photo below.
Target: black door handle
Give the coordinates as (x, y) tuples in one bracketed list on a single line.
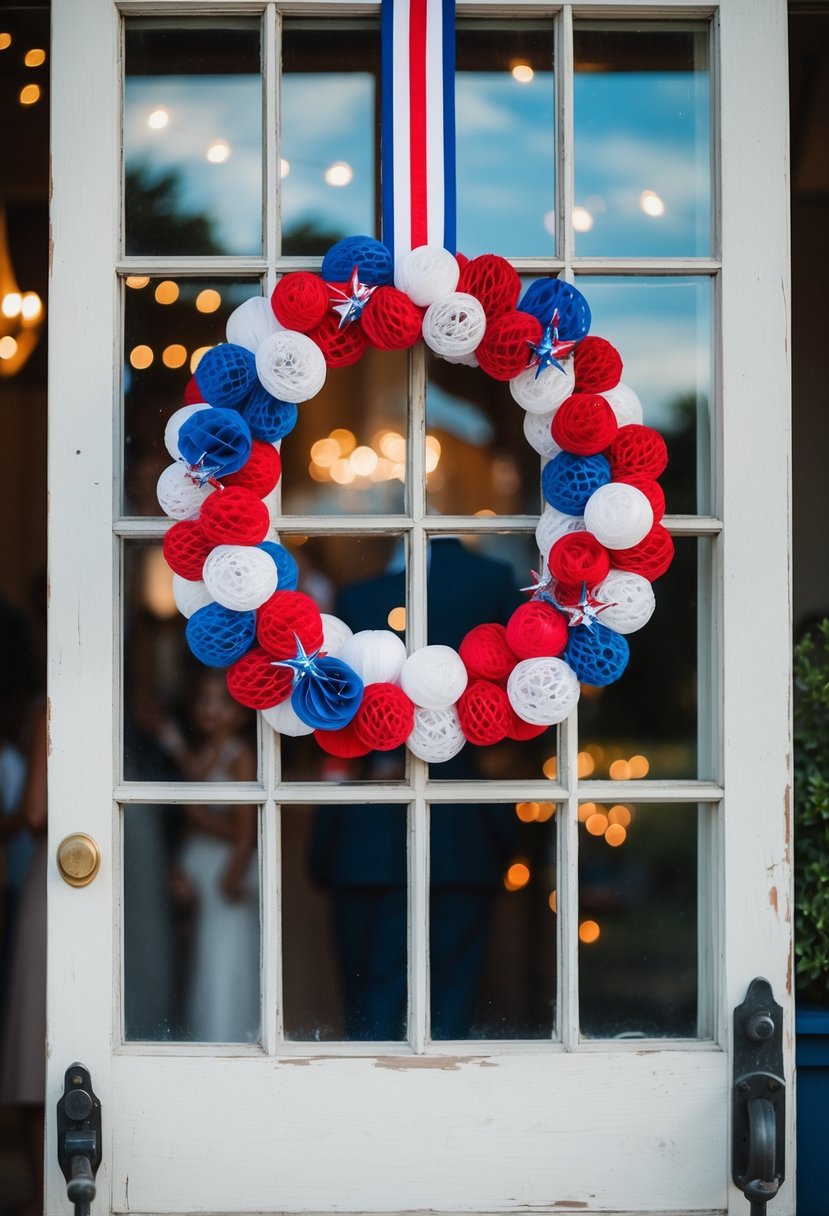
[(79, 1137)]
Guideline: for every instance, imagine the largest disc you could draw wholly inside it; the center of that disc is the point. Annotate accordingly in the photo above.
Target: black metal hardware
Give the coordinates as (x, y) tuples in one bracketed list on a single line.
[(758, 1101), (79, 1137)]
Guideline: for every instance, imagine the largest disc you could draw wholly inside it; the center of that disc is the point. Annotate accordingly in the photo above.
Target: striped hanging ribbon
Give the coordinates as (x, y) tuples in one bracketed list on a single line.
[(418, 124)]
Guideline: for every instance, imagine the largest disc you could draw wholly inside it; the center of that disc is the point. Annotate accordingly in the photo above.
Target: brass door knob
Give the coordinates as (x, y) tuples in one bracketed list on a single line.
[(79, 859)]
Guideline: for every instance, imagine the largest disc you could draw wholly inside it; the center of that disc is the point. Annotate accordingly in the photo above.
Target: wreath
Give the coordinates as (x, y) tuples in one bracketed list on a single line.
[(601, 535)]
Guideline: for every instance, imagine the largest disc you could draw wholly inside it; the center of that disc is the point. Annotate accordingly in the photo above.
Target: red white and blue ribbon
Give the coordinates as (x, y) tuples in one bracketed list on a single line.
[(418, 125)]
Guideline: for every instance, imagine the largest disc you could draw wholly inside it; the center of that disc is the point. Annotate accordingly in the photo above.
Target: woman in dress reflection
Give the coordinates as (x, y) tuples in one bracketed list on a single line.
[(216, 874)]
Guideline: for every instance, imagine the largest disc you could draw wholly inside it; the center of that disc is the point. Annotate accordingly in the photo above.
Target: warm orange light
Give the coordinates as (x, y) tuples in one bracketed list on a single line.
[(527, 812), (197, 356), (342, 472), (5, 41), (363, 461), (486, 513), (141, 357), (620, 770), (318, 473), (586, 809), (589, 932), (615, 835), (166, 292), (552, 900), (596, 823), (550, 768), (585, 764), (393, 446), (174, 355), (432, 455), (345, 440), (324, 452), (208, 300), (34, 58), (639, 767), (517, 876), (546, 810), (29, 94), (8, 347), (397, 619), (620, 814), (137, 281)]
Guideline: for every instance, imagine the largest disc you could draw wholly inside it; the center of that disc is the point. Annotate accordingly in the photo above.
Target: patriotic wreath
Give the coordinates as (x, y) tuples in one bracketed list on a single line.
[(600, 535)]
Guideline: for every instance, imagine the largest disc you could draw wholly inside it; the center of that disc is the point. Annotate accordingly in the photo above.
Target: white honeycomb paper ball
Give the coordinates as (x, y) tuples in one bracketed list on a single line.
[(554, 524), (285, 721), (543, 691), (290, 366), (174, 424), (240, 577), (251, 323), (427, 273), (625, 405), (377, 655), (618, 515), (335, 634), (434, 677), (437, 735), (538, 434), (454, 325), (539, 395), (190, 595), (179, 496), (631, 601)]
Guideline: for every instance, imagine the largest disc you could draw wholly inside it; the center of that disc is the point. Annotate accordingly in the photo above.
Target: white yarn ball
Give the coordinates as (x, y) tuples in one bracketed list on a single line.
[(335, 634), (291, 366), (285, 721), (190, 595), (251, 323), (625, 405), (174, 424), (543, 691), (547, 391), (179, 496), (377, 655), (454, 325), (427, 273), (437, 735), (240, 577), (554, 524), (631, 598), (464, 360), (618, 515), (434, 677), (538, 434)]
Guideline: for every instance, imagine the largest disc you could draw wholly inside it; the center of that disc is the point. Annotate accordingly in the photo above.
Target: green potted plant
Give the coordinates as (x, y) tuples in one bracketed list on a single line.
[(811, 859)]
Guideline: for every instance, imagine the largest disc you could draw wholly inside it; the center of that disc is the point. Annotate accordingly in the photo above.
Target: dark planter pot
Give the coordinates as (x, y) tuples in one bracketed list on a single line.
[(812, 1060)]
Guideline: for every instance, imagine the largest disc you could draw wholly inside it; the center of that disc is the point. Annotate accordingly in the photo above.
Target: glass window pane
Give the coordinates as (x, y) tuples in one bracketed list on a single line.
[(646, 724), (663, 329), (180, 722), (191, 924), (330, 133), (506, 148), (193, 137), (347, 454), (492, 928), (167, 322), (642, 139), (638, 920), (344, 922)]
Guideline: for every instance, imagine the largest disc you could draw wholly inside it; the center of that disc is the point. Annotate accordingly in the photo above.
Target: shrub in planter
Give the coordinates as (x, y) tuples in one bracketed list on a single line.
[(811, 815)]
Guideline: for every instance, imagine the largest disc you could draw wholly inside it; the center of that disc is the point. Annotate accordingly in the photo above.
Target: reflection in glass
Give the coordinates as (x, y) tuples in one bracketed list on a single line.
[(645, 725), (180, 722), (485, 465), (167, 322), (638, 920), (193, 137), (344, 922), (642, 139), (328, 167), (492, 939), (347, 453), (191, 924), (662, 327), (506, 150)]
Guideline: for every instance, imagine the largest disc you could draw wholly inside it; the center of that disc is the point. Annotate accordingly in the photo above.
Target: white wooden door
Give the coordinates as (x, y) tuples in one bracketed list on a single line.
[(578, 1109)]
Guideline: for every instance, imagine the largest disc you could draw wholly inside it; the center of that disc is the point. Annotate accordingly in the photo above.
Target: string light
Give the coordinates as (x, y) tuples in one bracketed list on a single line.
[(208, 300), (589, 932), (141, 357), (517, 876), (397, 620), (34, 58)]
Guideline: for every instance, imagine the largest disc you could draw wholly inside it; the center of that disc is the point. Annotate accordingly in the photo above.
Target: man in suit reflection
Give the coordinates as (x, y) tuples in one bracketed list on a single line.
[(358, 853)]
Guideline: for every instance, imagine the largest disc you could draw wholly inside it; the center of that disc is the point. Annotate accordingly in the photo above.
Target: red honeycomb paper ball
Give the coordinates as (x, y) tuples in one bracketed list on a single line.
[(344, 743), (579, 558), (186, 548), (536, 630), (300, 301), (462, 260), (234, 516), (285, 614), (584, 424), (637, 451), (652, 491), (341, 347), (260, 473), (520, 730), (485, 713), (493, 281), (597, 365), (385, 718), (254, 681), (390, 320), (193, 394), (505, 349), (650, 558), (485, 652)]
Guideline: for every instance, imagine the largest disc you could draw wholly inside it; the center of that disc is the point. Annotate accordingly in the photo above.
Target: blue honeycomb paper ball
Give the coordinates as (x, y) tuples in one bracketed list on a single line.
[(373, 260), (597, 655), (568, 481), (287, 570), (219, 636), (226, 374), (269, 418), (544, 296), (218, 439)]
